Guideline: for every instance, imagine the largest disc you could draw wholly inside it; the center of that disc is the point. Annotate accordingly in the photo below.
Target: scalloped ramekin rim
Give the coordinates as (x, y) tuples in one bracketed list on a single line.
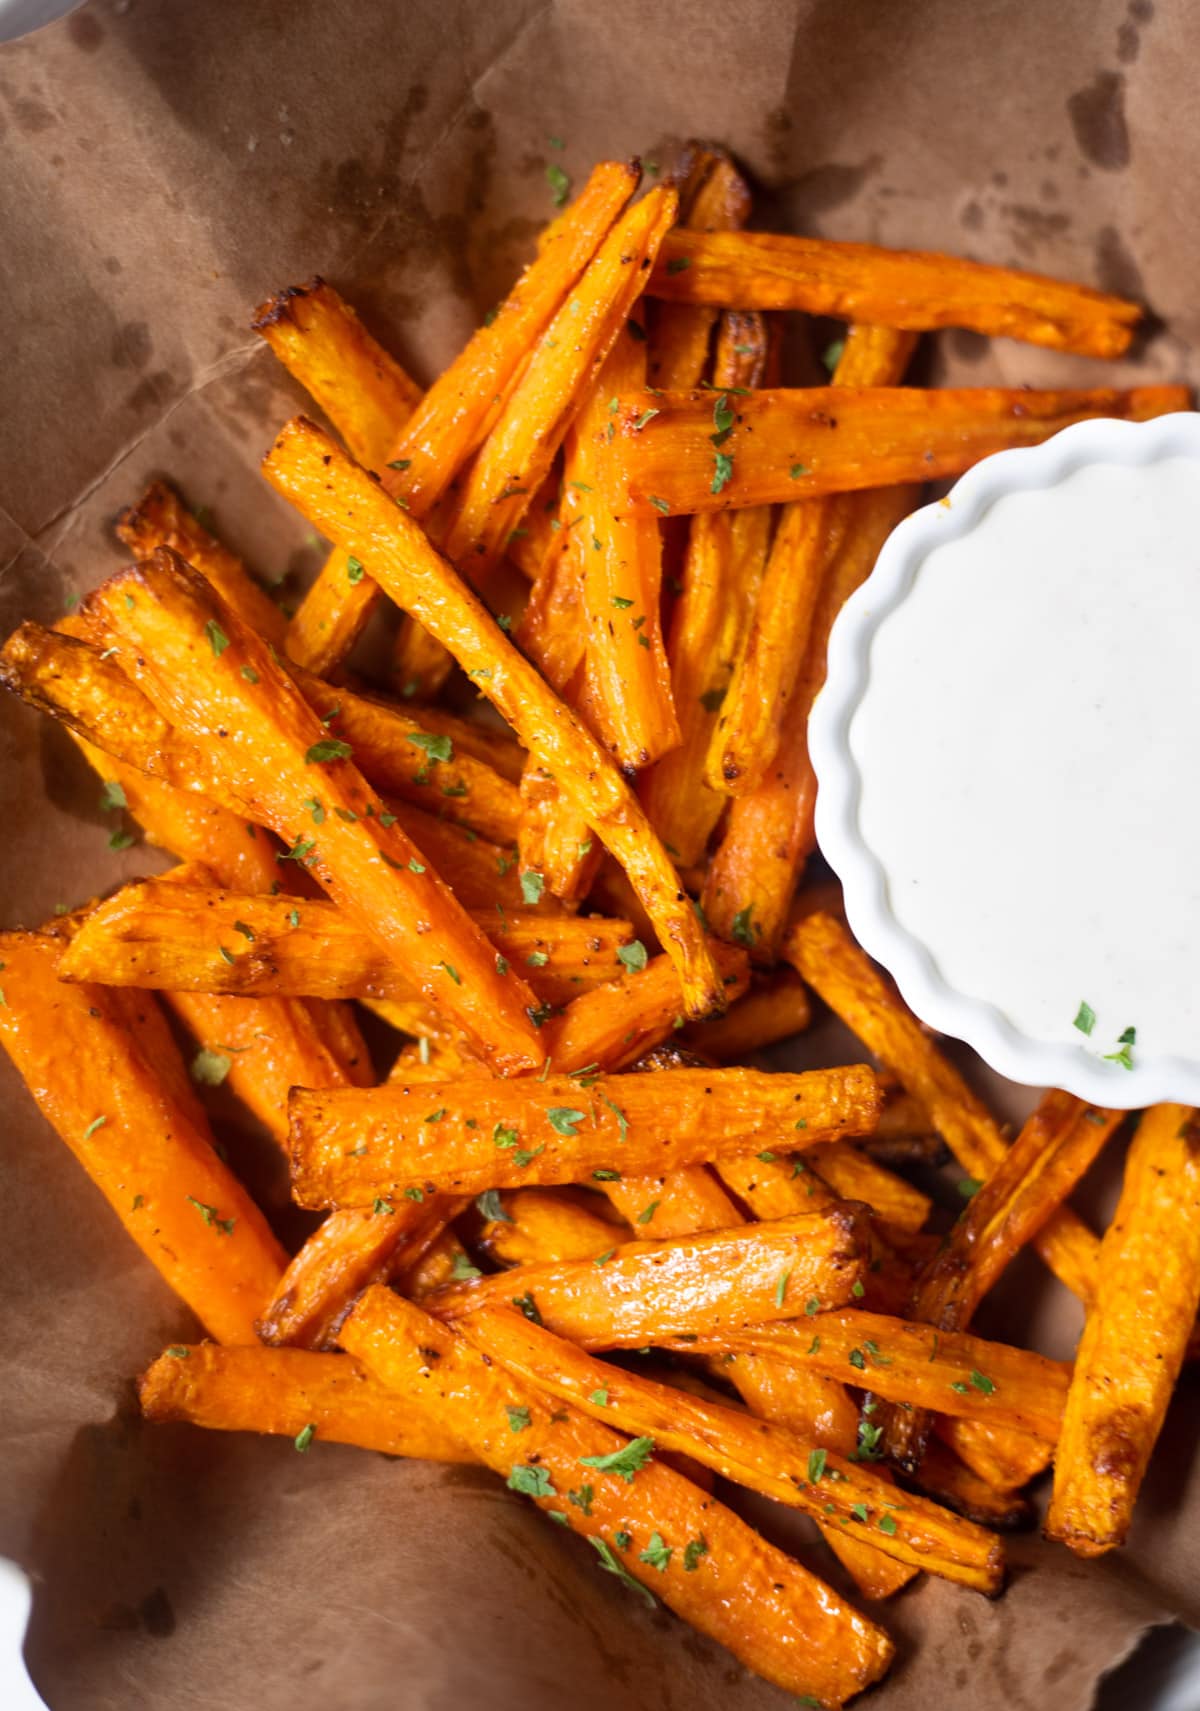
[(1006, 1048)]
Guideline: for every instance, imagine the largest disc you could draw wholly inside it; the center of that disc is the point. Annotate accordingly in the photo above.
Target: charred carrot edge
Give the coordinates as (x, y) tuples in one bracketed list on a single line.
[(198, 939), (779, 1620), (722, 568), (950, 1371), (153, 1161), (776, 1009), (758, 863), (821, 949), (856, 1176), (349, 1146), (160, 519), (1054, 1148), (1135, 1335), (951, 1482), (645, 1291), (769, 669), (357, 383), (891, 288), (755, 1453), (308, 469), (800, 443), (455, 413), (290, 1393), (208, 672)]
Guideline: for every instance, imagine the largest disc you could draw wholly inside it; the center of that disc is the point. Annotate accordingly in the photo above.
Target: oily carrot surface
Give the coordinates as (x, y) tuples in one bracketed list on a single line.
[(772, 1614), (496, 1134), (151, 1155), (891, 288), (540, 1224)]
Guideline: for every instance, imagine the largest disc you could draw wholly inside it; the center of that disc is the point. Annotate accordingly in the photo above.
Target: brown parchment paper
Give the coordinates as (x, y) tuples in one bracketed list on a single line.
[(163, 167)]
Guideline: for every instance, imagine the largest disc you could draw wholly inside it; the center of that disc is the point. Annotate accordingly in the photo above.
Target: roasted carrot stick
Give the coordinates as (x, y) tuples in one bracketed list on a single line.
[(892, 288), (649, 1524), (951, 1371), (821, 949), (212, 676), (643, 1292), (532, 1225), (455, 413), (292, 1393), (713, 197), (774, 1009), (555, 840), (764, 1457), (769, 668), (192, 938), (322, 343), (950, 1481), (768, 834), (856, 1176), (676, 1203), (722, 569), (347, 1147), (160, 519), (1134, 1337), (306, 466), (997, 1454), (1054, 1148), (799, 444), (151, 1158)]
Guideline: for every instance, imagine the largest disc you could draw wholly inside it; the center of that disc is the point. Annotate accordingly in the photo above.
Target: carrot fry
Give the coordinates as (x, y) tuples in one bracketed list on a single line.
[(820, 948), (713, 197), (774, 1010), (540, 1224), (483, 738), (518, 452), (616, 1024), (798, 444), (996, 1454), (152, 1160), (1134, 1338), (758, 863), (679, 1203), (951, 1371), (892, 288), (287, 1392), (645, 1292), (309, 470), (1056, 1145), (779, 1620), (454, 415), (769, 670), (629, 681), (160, 519), (189, 826), (322, 343), (722, 569), (192, 938), (951, 1482), (755, 1453), (554, 839), (210, 674), (647, 1124), (537, 538), (855, 1176)]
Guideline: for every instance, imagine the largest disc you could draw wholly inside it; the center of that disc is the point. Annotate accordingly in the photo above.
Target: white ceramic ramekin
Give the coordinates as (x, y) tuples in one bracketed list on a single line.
[(1034, 1062)]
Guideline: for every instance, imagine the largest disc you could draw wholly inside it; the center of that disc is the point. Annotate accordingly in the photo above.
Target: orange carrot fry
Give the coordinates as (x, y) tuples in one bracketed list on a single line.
[(951, 1371), (193, 938), (322, 343), (722, 569), (289, 1392), (1055, 1146), (309, 470), (769, 669), (645, 1292), (855, 1176), (774, 1010), (539, 1224), (152, 1160), (676, 1203), (952, 1482), (764, 1457), (822, 951), (210, 674), (730, 1584), (497, 1134), (996, 1453), (798, 444), (454, 415), (1134, 1338), (769, 831), (518, 452), (160, 519), (713, 197), (892, 288)]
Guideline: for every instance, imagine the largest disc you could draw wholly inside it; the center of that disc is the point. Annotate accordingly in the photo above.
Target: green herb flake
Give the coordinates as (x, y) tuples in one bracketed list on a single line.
[(781, 1287), (527, 1304), (96, 1123), (833, 354), (304, 1437), (612, 1565), (983, 1383), (646, 1215), (744, 930), (120, 840), (559, 182), (564, 1119), (210, 1068), (660, 504), (626, 1462), (858, 1360), (816, 1466), (451, 971), (887, 1524), (381, 1208), (519, 1419), (1085, 1017), (533, 886), (530, 1481), (722, 473), (218, 641), (354, 569), (582, 1499), (435, 745), (489, 1206), (328, 749), (679, 264), (112, 797), (657, 1554), (968, 1186), (634, 957)]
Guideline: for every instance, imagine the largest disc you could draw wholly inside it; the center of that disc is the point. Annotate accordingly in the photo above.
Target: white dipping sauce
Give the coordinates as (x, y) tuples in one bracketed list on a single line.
[(1029, 753)]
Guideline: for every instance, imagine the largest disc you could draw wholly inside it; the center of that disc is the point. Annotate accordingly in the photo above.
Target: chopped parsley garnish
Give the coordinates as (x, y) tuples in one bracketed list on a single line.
[(582, 1499), (559, 182), (858, 1359), (455, 976), (120, 840), (833, 354), (633, 956), (887, 1524), (210, 1068), (96, 1123), (606, 1174), (692, 1552), (646, 1215), (646, 416), (530, 1481), (744, 930), (209, 1214), (983, 1383), (627, 1461), (304, 1437), (660, 504), (600, 1398), (527, 1305), (564, 1120), (1085, 1018), (177, 1351), (519, 1419), (968, 1186), (722, 472), (657, 1554), (1123, 1055), (533, 886), (489, 1206), (612, 1565), (436, 745), (816, 1465), (679, 264), (620, 602), (797, 470), (354, 569), (112, 797), (381, 1208), (781, 1287), (329, 748), (218, 641)]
